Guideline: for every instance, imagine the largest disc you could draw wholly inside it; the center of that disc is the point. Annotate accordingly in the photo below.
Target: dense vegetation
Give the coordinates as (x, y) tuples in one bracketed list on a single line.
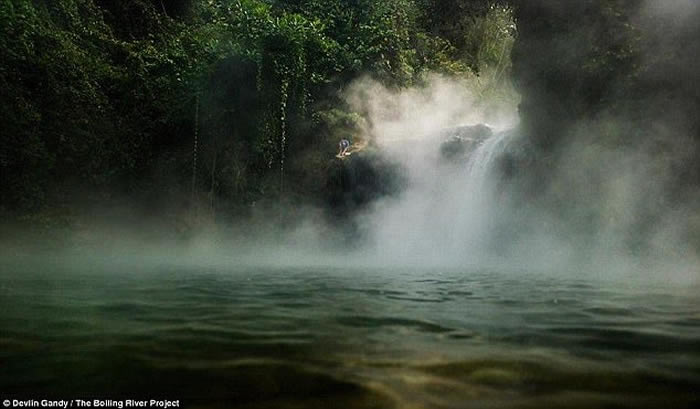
[(223, 102)]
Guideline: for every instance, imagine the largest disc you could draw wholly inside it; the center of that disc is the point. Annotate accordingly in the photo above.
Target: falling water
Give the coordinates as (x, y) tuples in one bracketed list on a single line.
[(448, 211), (484, 157)]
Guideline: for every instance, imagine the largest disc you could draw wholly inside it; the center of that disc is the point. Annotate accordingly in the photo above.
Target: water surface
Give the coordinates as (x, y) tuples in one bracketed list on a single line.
[(323, 337)]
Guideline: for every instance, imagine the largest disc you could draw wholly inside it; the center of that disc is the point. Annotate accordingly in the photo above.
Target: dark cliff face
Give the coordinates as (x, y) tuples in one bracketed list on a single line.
[(569, 62), (635, 63), (610, 100), (358, 180)]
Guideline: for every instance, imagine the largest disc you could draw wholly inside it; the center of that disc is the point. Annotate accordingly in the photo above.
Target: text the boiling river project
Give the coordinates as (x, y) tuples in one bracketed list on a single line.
[(93, 403)]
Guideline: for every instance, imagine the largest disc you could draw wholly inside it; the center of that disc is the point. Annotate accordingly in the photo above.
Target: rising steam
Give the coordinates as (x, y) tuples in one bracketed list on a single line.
[(591, 218)]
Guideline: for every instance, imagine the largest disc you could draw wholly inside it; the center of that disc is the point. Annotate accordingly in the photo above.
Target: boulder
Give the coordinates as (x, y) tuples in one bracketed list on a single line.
[(460, 141)]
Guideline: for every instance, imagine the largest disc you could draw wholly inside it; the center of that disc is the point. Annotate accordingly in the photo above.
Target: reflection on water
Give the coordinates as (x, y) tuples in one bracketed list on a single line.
[(357, 339)]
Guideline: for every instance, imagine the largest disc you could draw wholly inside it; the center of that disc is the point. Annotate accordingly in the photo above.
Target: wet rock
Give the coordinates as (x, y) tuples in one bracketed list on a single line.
[(460, 141), (359, 179)]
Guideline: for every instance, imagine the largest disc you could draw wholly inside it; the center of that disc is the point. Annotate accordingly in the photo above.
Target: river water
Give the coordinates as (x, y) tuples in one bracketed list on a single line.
[(346, 338)]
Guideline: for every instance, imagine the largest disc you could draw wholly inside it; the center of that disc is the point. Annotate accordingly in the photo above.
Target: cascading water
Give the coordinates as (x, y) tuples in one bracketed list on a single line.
[(483, 159), (449, 207)]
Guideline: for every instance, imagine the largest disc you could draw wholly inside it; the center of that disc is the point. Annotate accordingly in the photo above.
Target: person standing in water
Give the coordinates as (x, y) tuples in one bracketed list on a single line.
[(344, 145)]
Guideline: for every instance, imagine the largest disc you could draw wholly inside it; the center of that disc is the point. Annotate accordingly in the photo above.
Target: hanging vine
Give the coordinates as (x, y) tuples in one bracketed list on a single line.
[(194, 148), (284, 96)]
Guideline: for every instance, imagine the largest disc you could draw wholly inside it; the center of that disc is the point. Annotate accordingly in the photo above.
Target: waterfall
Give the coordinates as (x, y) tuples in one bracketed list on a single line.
[(483, 159), (474, 209), (448, 212)]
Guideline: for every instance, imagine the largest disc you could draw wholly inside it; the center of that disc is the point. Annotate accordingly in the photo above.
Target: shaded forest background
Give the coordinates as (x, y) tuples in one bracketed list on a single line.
[(220, 102), (226, 103)]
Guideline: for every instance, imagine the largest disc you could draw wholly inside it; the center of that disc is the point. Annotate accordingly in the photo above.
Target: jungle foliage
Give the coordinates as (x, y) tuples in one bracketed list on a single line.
[(224, 102)]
